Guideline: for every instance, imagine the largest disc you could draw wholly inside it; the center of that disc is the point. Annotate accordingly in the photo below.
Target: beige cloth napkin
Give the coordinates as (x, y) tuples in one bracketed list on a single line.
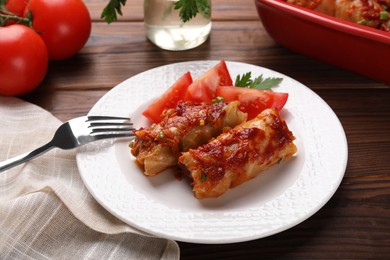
[(45, 210)]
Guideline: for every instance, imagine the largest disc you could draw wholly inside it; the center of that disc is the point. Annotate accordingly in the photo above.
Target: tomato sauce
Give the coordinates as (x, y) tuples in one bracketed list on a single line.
[(239, 147)]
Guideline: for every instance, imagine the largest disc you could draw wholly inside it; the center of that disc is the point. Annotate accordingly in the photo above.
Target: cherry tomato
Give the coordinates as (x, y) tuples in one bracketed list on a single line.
[(253, 101), (169, 99), (64, 25), (23, 60), (204, 88), (16, 7)]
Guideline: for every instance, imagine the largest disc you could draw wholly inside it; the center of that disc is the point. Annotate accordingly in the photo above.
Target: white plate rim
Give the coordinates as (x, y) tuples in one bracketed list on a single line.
[(227, 226)]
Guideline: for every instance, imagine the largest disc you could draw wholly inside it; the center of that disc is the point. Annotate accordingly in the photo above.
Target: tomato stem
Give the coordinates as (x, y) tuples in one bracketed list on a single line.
[(6, 17)]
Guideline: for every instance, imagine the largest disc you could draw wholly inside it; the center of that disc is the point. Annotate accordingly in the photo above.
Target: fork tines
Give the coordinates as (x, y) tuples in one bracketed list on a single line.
[(110, 126), (97, 118)]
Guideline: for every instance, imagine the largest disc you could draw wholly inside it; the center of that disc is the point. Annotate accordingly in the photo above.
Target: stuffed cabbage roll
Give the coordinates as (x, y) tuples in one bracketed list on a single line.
[(187, 126), (373, 13), (238, 155), (323, 6)]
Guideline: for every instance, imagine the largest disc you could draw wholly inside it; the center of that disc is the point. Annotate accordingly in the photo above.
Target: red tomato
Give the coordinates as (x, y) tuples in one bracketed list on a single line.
[(23, 60), (253, 101), (169, 99), (15, 7), (204, 88), (64, 25)]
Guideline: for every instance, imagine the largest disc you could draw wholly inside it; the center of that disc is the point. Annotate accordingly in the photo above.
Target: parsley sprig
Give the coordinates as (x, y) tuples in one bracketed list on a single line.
[(261, 83), (188, 9), (111, 10)]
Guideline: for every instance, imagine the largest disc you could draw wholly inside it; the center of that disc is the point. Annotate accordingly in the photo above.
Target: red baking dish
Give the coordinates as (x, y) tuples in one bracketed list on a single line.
[(351, 46)]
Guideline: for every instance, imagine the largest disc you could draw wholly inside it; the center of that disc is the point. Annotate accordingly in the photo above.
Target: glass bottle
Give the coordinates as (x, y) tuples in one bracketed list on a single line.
[(164, 28)]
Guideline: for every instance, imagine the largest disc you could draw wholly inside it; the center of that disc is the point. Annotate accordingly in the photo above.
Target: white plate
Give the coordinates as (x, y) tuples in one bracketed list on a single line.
[(276, 200)]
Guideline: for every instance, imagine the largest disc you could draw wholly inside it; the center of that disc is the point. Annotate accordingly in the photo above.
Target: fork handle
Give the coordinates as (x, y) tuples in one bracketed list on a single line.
[(25, 157)]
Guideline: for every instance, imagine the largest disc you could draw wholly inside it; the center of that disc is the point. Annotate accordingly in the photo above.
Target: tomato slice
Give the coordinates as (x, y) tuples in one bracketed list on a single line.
[(169, 99), (204, 88), (253, 101)]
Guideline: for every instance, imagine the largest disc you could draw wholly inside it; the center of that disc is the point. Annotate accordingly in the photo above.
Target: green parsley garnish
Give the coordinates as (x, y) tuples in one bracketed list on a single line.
[(383, 15), (217, 100), (111, 10), (188, 9), (161, 134), (243, 81), (362, 22), (246, 81), (203, 177)]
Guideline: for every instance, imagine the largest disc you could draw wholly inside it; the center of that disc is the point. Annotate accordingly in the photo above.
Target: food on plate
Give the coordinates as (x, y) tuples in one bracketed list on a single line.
[(219, 133), (253, 101), (373, 13), (204, 88), (215, 84), (186, 126), (238, 155), (170, 98)]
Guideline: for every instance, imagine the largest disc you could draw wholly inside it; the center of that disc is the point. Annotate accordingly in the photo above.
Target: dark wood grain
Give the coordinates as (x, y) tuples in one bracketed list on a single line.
[(354, 224)]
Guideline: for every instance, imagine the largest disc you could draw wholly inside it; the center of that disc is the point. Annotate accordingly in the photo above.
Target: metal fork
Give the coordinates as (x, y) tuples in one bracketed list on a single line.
[(77, 132)]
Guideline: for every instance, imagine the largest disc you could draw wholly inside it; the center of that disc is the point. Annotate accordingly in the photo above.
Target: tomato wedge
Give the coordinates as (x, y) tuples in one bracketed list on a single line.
[(204, 88), (169, 99), (253, 101)]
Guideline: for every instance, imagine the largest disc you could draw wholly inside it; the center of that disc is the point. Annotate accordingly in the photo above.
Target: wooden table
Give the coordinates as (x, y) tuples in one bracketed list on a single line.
[(355, 223)]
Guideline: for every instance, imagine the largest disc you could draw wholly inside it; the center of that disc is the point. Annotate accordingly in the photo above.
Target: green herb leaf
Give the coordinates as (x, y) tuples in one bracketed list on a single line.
[(362, 22), (265, 84), (190, 8), (203, 177), (204, 7), (243, 81), (111, 10), (161, 134), (383, 15), (246, 81), (217, 100)]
